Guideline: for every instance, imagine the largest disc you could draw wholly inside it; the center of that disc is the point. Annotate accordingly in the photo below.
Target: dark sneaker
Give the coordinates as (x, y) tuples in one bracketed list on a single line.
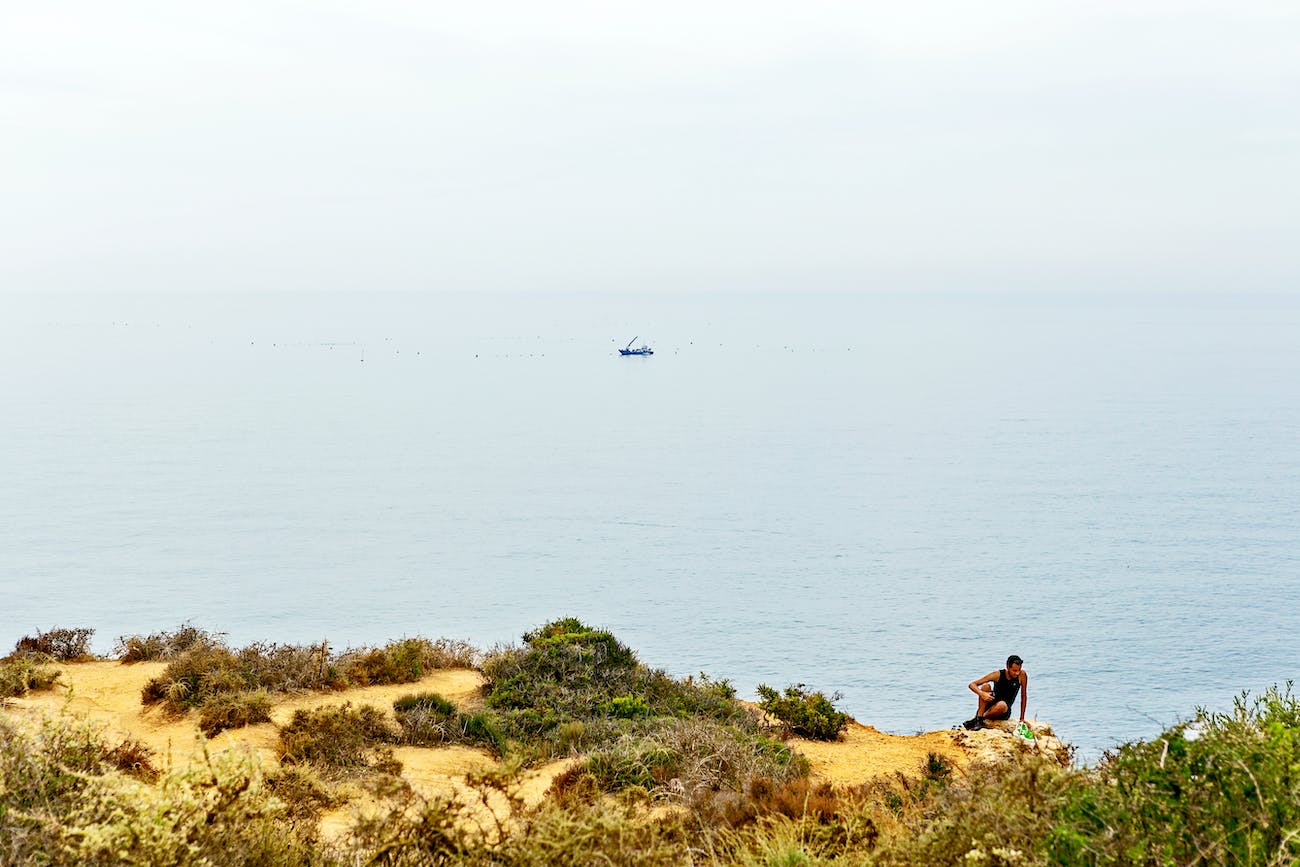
[(973, 724)]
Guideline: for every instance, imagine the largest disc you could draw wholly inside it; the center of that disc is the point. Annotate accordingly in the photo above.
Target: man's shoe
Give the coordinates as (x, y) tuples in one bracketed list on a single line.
[(973, 724)]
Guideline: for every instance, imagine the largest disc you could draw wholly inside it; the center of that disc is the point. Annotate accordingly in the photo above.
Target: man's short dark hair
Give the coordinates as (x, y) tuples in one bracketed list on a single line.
[(1014, 660)]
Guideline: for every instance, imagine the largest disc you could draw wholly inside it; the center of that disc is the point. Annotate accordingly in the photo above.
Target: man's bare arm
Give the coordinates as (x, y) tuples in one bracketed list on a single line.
[(974, 685), (1024, 694)]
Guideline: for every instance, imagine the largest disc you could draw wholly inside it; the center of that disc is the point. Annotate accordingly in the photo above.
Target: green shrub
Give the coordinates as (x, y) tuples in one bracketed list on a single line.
[(808, 714), (627, 707), (20, 675), (65, 645), (1223, 789), (568, 672), (428, 719), (424, 701), (403, 661), (565, 666), (483, 729), (571, 735), (234, 710)]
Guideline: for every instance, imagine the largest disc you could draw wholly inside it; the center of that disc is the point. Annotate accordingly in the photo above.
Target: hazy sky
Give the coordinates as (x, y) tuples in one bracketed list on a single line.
[(371, 144)]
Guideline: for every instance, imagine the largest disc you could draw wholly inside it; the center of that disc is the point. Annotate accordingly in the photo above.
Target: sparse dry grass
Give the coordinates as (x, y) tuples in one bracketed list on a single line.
[(234, 710), (65, 645), (21, 675), (65, 802), (340, 737), (163, 645), (202, 670)]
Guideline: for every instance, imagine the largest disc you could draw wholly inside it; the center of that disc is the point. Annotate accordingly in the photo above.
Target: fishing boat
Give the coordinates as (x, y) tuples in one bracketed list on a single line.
[(643, 350)]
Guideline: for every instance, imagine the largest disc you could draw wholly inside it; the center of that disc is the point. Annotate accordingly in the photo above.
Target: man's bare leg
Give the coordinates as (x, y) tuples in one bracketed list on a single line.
[(991, 707)]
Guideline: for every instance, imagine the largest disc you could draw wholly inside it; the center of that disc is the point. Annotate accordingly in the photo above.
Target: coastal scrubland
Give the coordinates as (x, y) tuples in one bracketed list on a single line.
[(567, 749)]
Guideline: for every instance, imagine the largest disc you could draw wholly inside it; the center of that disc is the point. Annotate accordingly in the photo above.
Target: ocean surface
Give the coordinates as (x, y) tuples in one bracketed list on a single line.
[(882, 495)]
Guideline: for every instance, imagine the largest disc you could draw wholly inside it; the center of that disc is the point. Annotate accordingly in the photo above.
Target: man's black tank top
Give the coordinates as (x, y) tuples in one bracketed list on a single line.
[(1006, 688)]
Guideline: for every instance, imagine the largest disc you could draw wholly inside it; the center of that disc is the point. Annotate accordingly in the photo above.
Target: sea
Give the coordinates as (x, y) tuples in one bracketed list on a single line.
[(880, 495)]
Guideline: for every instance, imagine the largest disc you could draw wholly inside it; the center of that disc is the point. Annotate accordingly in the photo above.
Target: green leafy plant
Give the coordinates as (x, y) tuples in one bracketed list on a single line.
[(808, 714), (569, 672), (1222, 789), (627, 707)]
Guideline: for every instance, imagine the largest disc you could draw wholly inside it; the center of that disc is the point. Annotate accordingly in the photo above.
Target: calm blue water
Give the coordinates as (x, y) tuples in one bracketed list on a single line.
[(882, 494)]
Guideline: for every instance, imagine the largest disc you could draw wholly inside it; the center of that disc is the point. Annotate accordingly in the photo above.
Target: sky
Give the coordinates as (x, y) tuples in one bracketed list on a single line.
[(667, 146)]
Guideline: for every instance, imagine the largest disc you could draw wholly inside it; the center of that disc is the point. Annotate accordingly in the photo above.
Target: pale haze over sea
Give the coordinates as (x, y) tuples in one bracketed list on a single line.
[(1069, 430), (878, 494)]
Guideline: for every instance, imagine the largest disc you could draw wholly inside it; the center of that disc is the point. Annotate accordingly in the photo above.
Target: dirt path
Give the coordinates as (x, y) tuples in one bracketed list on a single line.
[(864, 753)]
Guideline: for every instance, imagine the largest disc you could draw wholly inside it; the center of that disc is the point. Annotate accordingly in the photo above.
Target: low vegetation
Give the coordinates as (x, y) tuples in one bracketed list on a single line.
[(163, 645), (575, 690), (1222, 789), (30, 667), (20, 675), (65, 645), (807, 714), (340, 737), (404, 661), (232, 687), (65, 799), (234, 710), (1218, 789), (428, 720)]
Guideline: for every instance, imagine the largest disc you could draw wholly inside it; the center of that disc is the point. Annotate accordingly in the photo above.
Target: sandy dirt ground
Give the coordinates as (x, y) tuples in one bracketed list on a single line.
[(863, 753)]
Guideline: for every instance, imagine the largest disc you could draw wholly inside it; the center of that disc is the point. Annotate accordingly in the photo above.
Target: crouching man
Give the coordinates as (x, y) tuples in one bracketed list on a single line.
[(997, 691)]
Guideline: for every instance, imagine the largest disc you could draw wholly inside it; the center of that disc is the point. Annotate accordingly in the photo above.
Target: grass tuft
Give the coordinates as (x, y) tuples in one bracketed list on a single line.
[(20, 675), (234, 710), (339, 737)]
